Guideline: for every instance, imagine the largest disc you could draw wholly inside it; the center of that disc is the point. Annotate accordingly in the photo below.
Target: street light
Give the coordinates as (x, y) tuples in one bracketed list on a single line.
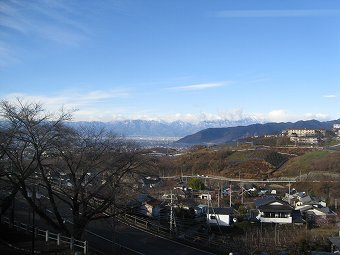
[(34, 195)]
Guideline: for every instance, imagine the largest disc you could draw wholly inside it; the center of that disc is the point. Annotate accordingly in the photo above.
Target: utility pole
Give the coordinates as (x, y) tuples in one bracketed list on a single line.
[(221, 191), (275, 234), (33, 220), (34, 196), (230, 194), (218, 196), (336, 204), (171, 214), (113, 223), (208, 216), (288, 192), (242, 190), (172, 218), (300, 175)]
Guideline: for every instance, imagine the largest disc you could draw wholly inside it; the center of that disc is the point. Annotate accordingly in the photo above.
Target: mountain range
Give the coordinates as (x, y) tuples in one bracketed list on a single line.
[(229, 134), (153, 128)]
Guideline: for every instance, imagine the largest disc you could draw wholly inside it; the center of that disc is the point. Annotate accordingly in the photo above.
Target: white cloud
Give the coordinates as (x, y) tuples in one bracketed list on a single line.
[(97, 114), (96, 106), (274, 13), (122, 114), (318, 116), (330, 96), (229, 115), (200, 86), (71, 100), (285, 116)]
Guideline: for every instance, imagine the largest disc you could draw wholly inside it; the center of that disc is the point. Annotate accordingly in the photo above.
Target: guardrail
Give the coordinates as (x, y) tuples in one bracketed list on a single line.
[(144, 224), (83, 245), (195, 241)]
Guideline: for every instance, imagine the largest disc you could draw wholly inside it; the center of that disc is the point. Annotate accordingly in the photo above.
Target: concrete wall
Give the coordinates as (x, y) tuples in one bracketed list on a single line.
[(277, 220)]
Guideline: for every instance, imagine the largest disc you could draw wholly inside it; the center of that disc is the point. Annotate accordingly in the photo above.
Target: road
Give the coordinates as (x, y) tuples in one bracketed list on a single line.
[(140, 241), (133, 241), (222, 178)]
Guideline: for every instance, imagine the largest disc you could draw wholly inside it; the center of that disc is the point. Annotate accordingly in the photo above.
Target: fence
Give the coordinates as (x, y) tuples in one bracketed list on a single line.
[(83, 245), (193, 238), (144, 224)]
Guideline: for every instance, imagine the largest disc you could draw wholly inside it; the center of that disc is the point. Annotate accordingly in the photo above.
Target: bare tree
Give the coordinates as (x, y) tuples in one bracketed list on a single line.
[(83, 172)]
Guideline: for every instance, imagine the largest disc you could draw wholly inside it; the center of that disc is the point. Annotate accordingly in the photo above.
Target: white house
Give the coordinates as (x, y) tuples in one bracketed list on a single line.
[(272, 210), (203, 195), (220, 216), (146, 205), (151, 208)]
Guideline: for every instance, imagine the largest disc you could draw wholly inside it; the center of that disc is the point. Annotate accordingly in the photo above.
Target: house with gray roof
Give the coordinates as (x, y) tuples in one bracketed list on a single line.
[(274, 210)]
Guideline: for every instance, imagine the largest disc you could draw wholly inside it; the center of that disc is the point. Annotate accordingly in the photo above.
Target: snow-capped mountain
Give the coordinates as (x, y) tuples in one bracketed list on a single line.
[(155, 128)]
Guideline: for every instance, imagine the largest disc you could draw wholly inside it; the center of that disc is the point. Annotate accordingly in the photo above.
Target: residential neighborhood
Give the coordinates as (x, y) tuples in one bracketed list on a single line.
[(213, 213)]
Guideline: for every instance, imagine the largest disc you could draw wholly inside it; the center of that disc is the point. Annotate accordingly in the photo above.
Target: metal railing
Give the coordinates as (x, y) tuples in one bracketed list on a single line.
[(57, 237)]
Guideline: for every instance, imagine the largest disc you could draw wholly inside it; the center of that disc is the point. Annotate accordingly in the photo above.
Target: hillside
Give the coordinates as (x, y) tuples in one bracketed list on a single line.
[(226, 135), (259, 163), (316, 165)]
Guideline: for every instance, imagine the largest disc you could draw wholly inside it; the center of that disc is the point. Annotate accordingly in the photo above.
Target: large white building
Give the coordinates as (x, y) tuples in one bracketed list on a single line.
[(336, 129), (306, 139), (336, 126), (303, 132)]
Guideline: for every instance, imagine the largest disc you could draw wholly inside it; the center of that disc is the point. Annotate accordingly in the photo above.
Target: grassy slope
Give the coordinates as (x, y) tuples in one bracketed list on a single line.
[(244, 164), (316, 161)]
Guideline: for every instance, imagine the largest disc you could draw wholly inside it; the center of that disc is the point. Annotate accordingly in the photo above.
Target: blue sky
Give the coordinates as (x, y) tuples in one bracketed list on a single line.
[(190, 60)]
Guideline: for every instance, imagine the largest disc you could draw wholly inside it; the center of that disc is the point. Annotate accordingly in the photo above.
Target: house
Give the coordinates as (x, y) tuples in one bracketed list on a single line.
[(318, 215), (301, 200), (263, 192), (273, 210), (203, 195), (146, 205), (222, 217), (152, 208), (201, 210), (175, 195), (249, 187), (151, 181)]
